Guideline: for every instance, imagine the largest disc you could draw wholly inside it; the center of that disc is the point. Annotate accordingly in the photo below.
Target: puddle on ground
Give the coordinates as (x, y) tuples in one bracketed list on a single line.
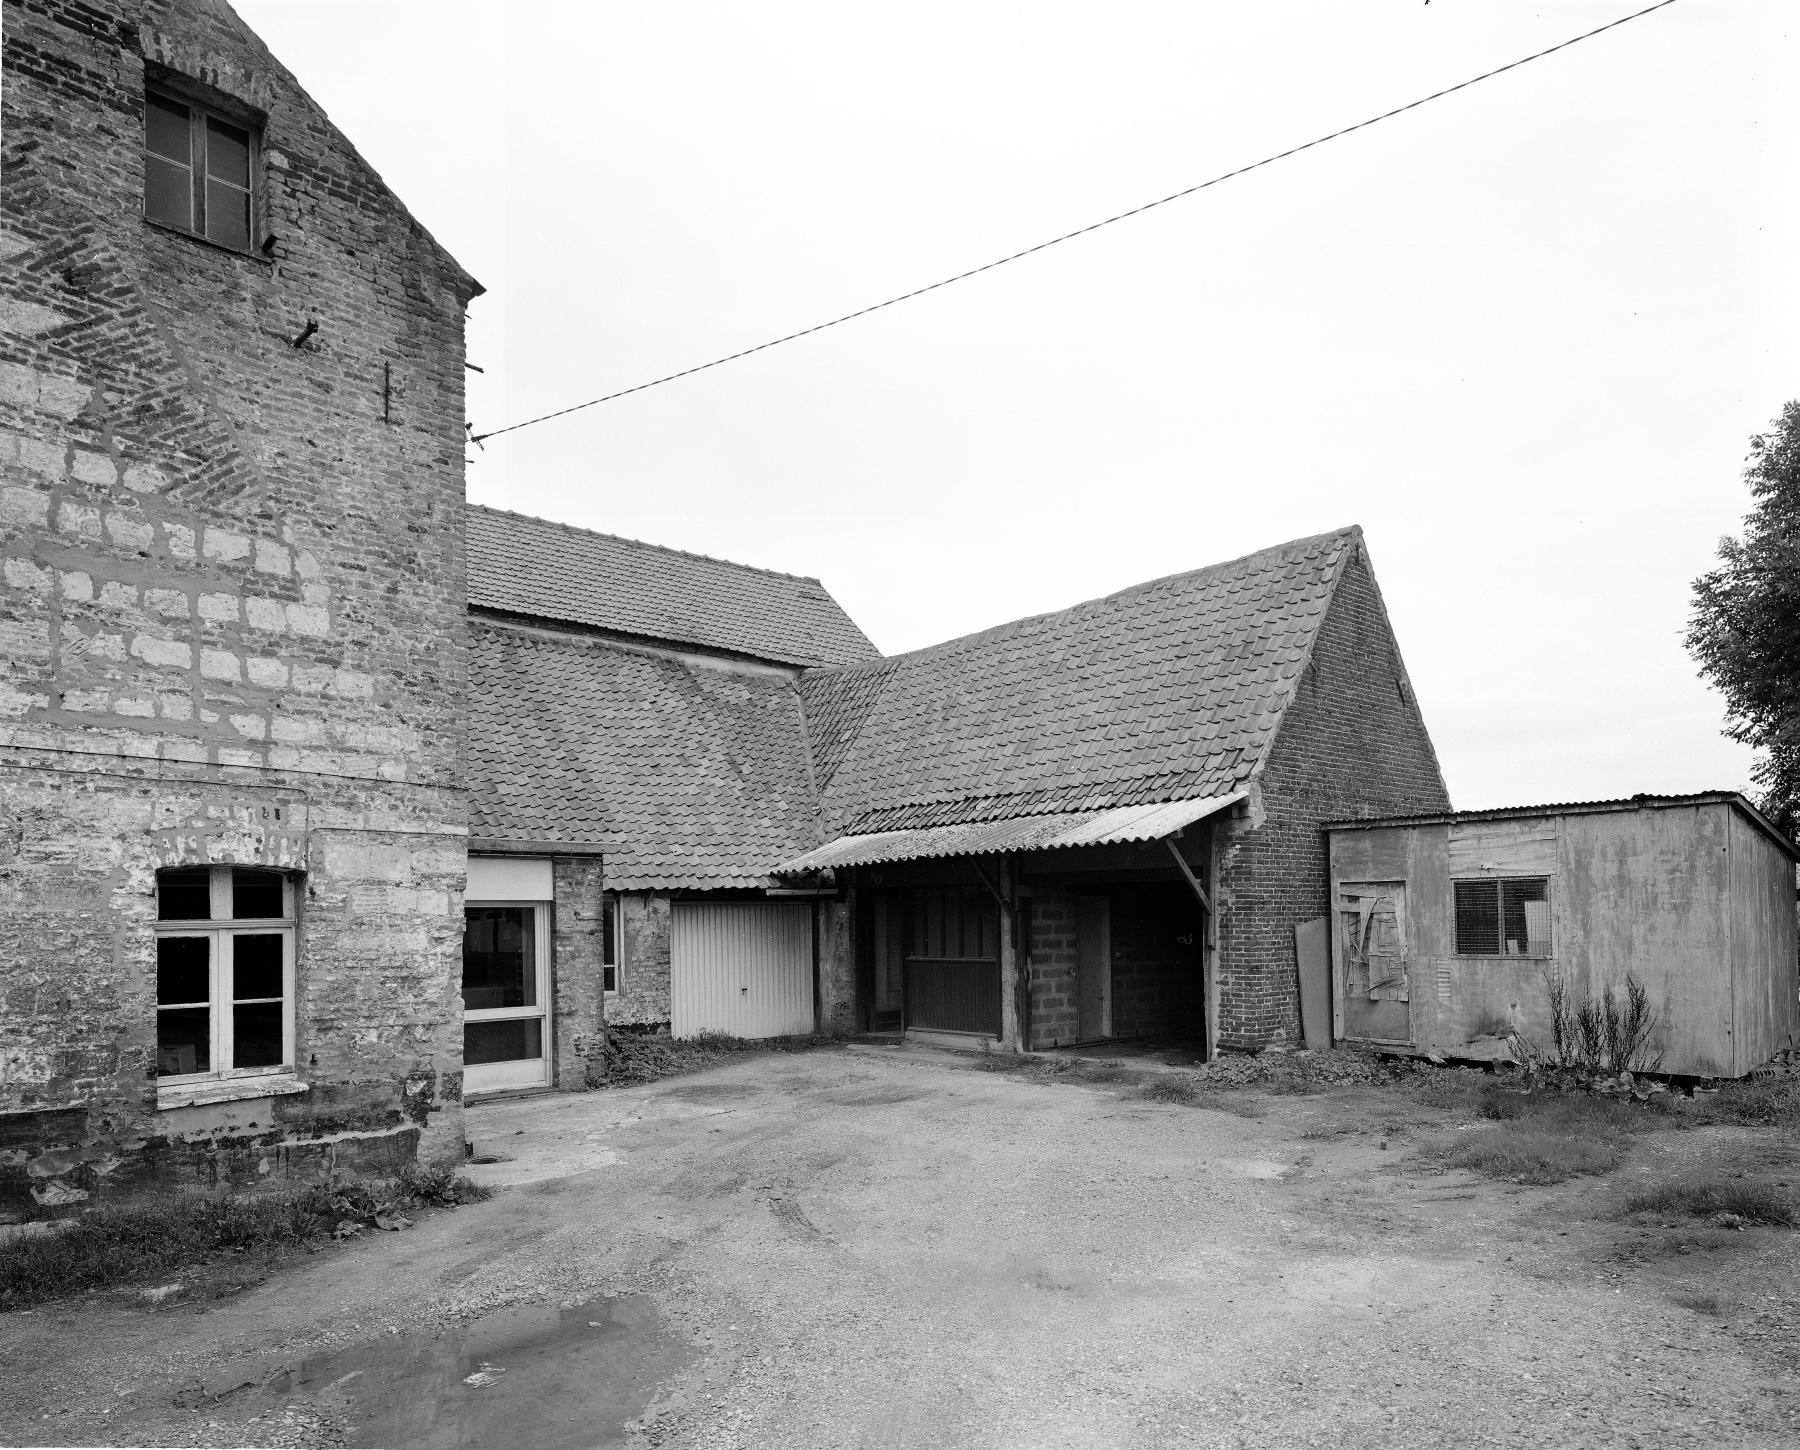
[(535, 1375)]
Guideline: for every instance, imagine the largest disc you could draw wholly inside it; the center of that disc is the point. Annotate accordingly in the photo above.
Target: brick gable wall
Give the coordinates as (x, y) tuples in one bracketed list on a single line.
[(231, 613), (1353, 743)]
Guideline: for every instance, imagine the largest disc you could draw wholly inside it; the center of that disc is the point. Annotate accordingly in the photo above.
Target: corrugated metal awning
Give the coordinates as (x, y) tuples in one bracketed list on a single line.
[(1024, 833)]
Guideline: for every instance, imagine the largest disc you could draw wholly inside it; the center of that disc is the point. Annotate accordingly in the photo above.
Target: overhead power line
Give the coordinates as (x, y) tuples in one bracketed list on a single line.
[(1081, 231)]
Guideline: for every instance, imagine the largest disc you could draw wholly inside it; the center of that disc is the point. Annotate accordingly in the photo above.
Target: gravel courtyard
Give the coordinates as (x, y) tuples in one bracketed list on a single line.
[(872, 1247)]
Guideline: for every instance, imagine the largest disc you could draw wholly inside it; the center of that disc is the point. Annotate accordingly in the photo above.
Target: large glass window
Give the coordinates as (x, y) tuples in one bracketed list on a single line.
[(224, 972), (199, 170), (505, 985)]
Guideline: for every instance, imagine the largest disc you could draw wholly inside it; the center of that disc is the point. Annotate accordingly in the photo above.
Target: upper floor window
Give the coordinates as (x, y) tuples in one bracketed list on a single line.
[(224, 972), (199, 167)]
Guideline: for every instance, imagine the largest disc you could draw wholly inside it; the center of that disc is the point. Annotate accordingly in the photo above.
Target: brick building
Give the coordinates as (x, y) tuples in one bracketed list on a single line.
[(639, 705), (232, 805), (1096, 824), (324, 798), (1105, 822)]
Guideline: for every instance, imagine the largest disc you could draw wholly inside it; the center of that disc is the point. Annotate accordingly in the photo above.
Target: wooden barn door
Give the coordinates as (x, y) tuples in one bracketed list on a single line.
[(953, 960)]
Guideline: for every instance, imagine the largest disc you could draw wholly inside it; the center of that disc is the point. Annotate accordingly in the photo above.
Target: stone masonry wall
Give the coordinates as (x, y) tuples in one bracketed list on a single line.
[(231, 613), (578, 947), (643, 996), (1353, 744)]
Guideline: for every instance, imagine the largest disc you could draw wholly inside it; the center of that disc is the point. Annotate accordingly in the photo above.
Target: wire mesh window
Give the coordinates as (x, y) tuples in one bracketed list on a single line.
[(1504, 917)]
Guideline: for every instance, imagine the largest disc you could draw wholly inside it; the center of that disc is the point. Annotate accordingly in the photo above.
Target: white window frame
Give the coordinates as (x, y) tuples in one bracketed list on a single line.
[(612, 909), (524, 1072), (220, 931)]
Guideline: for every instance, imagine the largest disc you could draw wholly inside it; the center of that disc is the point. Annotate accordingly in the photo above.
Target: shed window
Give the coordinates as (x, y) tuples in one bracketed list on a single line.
[(224, 972), (1504, 917), (199, 169)]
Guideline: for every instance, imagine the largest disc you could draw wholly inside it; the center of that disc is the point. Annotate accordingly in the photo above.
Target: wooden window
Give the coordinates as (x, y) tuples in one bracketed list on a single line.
[(224, 973), (199, 170), (609, 942), (1507, 916)]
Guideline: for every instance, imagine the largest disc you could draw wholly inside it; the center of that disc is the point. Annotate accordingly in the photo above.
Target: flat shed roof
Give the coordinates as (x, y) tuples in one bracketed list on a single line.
[(1735, 799)]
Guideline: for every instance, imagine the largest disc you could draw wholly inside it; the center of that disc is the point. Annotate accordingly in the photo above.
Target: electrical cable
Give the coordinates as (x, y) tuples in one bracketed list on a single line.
[(1079, 231)]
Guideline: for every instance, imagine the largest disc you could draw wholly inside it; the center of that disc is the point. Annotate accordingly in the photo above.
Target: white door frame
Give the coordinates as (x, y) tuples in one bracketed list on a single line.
[(525, 1072)]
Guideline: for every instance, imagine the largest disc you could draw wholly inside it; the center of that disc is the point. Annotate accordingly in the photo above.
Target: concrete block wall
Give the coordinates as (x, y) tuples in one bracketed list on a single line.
[(578, 957), (1353, 744), (231, 613), (1050, 932)]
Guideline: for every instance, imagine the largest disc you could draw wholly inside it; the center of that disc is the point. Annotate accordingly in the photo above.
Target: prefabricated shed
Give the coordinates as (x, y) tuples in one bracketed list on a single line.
[(1445, 929)]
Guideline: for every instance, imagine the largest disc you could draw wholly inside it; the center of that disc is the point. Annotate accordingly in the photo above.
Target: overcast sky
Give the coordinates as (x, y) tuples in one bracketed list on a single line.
[(1522, 335)]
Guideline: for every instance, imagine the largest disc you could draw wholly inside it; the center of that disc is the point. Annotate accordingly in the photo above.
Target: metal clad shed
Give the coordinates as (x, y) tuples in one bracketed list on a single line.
[(1444, 927)]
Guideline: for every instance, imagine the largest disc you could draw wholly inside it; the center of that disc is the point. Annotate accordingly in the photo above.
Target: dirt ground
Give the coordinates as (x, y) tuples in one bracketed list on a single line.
[(879, 1247)]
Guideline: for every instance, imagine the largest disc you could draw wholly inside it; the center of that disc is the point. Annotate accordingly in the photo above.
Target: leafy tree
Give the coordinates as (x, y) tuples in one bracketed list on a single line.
[(1745, 630)]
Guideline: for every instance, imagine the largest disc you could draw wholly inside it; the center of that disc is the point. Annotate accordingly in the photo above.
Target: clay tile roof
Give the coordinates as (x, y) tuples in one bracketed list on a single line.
[(1170, 690), (522, 565), (698, 773)]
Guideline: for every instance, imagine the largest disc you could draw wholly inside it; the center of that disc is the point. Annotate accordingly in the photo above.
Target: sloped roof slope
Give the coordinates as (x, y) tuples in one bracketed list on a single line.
[(1169, 690), (699, 774), (522, 565)]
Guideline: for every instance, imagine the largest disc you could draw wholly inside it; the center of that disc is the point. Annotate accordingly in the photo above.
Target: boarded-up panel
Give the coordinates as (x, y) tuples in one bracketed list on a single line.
[(741, 968), (1371, 918), (1312, 950), (1505, 848)]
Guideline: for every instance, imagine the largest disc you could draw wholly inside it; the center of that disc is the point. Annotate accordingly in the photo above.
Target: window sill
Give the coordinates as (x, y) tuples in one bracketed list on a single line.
[(174, 231), (226, 1090)]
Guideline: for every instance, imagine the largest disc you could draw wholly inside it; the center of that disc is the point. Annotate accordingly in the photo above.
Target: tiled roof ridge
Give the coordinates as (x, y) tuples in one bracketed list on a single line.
[(993, 805), (1271, 554), (645, 544)]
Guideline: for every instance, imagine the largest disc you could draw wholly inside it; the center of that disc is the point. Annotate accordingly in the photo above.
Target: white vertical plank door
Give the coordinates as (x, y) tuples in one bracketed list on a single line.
[(741, 968)]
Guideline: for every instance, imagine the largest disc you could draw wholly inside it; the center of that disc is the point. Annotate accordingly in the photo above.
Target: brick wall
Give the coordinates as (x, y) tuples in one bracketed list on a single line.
[(231, 613), (1156, 987), (578, 946), (1353, 743)]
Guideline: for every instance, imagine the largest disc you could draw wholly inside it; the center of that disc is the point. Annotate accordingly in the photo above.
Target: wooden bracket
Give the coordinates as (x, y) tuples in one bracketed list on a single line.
[(1188, 871)]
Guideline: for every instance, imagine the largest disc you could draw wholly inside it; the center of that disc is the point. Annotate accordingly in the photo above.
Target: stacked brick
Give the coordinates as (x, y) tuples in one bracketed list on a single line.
[(231, 613)]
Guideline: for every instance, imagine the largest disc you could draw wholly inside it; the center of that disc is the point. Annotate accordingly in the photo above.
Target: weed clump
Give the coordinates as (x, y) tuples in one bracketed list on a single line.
[(628, 1058), (1729, 1202), (123, 1244)]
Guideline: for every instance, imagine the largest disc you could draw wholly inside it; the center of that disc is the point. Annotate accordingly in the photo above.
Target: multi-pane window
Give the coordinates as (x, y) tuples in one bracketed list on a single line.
[(198, 170), (224, 972), (609, 942), (1504, 917)]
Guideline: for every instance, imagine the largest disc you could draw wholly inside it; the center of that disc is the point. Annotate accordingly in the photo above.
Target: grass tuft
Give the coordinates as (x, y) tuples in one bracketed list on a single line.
[(123, 1244), (1733, 1199), (1527, 1153)]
